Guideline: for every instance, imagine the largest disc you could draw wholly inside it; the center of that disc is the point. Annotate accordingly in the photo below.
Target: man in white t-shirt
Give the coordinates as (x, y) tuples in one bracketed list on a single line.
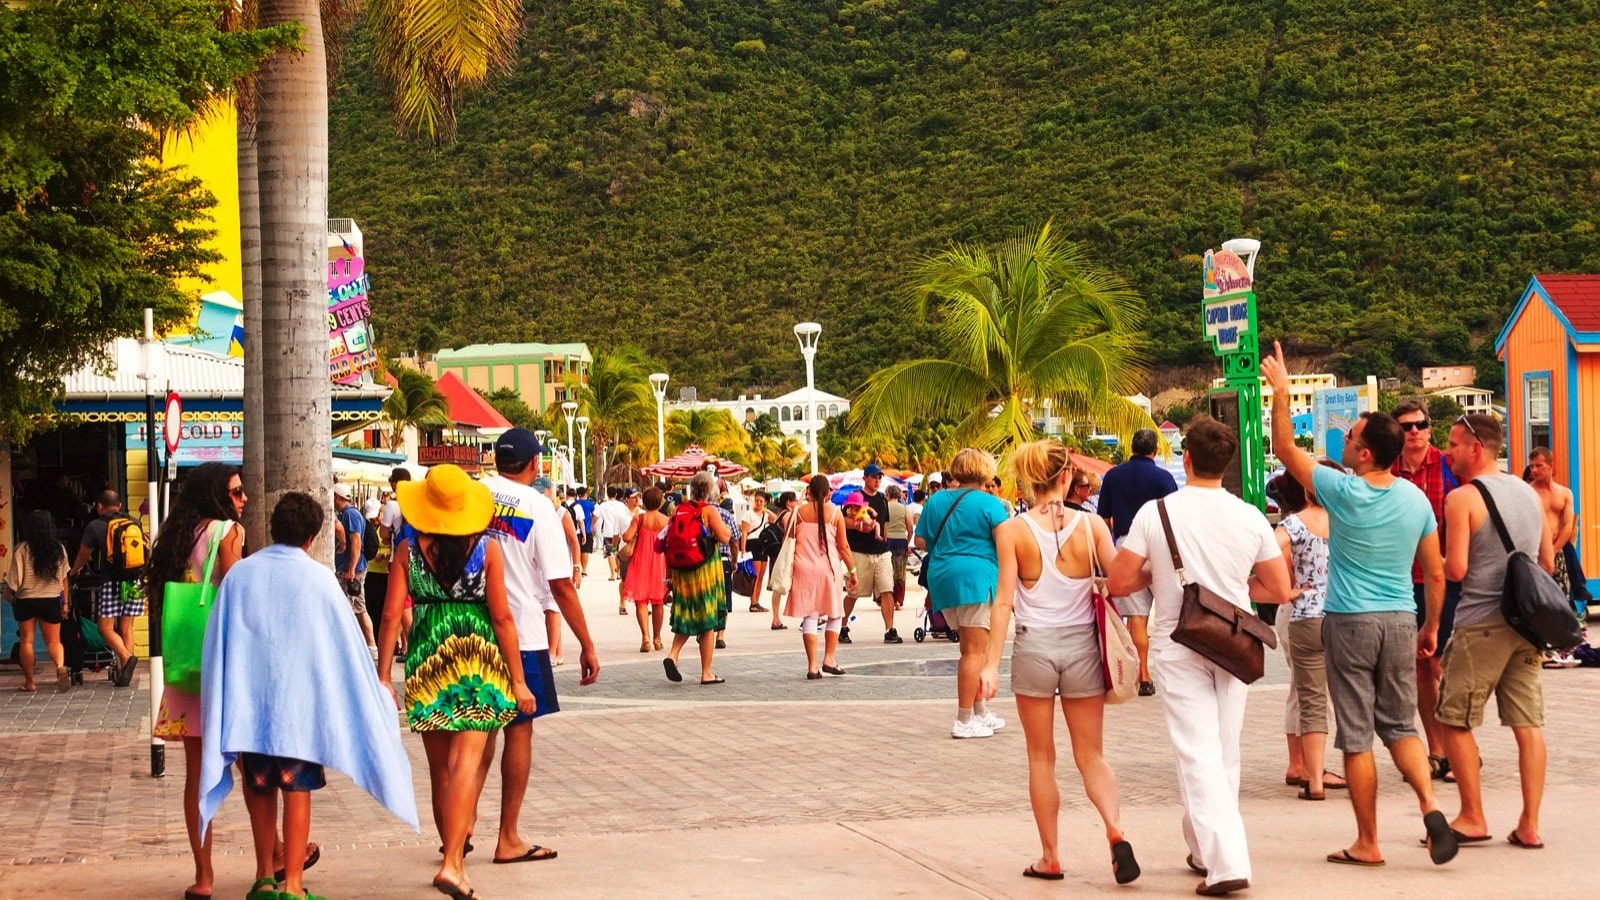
[(538, 573), (1221, 539), (611, 519)]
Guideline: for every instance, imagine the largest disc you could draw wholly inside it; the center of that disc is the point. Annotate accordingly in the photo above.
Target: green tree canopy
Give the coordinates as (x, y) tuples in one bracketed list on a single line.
[(92, 228), (414, 403), (507, 402)]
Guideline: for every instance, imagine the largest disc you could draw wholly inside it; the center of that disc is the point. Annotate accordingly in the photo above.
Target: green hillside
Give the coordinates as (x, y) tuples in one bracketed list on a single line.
[(697, 175)]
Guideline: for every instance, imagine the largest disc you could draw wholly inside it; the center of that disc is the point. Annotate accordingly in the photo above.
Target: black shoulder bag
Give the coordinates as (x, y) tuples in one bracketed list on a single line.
[(1533, 603), (922, 574)]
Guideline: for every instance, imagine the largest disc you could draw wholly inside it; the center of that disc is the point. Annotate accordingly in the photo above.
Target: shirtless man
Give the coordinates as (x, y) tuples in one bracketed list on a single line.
[(1562, 519)]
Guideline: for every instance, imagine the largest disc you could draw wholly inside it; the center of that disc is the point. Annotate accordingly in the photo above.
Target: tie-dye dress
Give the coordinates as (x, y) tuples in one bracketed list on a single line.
[(456, 678)]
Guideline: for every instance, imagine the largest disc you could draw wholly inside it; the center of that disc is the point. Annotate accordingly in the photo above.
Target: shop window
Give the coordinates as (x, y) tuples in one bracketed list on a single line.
[(1536, 406)]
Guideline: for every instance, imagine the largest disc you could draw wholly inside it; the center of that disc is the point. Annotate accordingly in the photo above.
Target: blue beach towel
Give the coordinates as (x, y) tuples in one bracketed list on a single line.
[(286, 672)]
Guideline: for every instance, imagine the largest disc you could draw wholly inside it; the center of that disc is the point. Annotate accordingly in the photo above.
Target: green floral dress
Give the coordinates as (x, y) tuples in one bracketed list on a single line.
[(456, 678)]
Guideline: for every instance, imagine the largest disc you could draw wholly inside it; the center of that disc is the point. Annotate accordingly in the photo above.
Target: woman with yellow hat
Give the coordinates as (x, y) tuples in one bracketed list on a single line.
[(458, 688)]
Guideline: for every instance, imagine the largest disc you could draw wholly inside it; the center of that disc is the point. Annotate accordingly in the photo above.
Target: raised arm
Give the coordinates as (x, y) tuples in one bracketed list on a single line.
[(1299, 463)]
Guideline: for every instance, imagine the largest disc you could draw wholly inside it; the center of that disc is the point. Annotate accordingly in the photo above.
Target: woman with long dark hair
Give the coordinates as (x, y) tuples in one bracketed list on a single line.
[(37, 583), (208, 509), (459, 687), (816, 593)]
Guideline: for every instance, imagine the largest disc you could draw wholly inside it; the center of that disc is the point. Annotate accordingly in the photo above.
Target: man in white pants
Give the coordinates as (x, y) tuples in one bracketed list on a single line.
[(1221, 539)]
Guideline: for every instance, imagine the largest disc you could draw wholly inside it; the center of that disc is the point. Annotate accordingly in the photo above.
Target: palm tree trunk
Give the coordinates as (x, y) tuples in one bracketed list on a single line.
[(292, 155), (255, 442)]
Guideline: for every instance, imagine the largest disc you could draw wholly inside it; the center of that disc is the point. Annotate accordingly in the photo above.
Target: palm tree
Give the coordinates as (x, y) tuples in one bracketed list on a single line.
[(428, 53), (1028, 320), (617, 400), (414, 403), (712, 430), (772, 456)]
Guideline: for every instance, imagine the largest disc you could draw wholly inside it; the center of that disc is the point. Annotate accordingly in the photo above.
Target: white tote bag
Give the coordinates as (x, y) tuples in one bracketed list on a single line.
[(1119, 659), (781, 574)]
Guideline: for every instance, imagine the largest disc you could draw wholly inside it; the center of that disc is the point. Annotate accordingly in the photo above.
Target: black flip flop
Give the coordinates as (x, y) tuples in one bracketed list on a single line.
[(1344, 858), (672, 670), (465, 849), (1463, 839), (1125, 867), (533, 855), (454, 891), (718, 680), (1307, 794), (1031, 872), (1516, 840), (779, 627), (311, 860), (1442, 845), (833, 670)]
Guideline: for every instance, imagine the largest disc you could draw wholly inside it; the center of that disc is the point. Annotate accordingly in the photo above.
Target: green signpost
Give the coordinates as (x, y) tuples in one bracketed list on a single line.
[(1229, 318)]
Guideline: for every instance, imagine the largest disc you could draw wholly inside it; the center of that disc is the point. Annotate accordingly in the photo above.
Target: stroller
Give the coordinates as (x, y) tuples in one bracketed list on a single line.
[(934, 623), (80, 636)]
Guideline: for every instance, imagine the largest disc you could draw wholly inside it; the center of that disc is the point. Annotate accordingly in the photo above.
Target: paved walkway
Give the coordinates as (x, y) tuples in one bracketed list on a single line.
[(769, 784)]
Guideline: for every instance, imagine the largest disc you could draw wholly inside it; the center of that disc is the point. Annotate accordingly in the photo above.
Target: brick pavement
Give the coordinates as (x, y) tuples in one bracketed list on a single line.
[(767, 754)]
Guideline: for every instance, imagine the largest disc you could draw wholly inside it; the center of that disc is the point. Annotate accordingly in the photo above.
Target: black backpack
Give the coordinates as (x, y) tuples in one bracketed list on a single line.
[(1533, 604), (767, 542), (369, 541)]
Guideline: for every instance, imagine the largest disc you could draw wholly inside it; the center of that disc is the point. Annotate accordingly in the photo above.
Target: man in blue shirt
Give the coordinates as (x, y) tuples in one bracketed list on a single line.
[(586, 506), (1377, 525), (1125, 490)]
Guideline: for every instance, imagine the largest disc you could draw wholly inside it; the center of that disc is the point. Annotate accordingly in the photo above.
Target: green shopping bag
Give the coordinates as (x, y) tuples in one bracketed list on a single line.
[(185, 609)]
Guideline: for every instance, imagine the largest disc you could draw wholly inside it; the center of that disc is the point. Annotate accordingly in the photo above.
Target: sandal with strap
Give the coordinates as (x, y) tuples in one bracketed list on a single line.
[(263, 889)]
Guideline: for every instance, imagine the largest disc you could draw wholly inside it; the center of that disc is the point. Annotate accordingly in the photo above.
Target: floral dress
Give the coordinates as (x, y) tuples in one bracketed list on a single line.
[(456, 678)]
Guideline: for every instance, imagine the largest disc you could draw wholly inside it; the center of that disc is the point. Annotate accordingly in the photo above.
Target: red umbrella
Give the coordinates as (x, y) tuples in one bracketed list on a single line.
[(1090, 464), (692, 462)]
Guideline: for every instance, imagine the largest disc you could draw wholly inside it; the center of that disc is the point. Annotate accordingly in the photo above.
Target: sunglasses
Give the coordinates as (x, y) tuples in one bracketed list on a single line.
[(236, 492), (1415, 426)]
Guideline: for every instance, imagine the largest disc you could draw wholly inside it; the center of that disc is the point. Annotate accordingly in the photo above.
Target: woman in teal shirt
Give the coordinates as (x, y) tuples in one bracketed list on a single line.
[(956, 531)]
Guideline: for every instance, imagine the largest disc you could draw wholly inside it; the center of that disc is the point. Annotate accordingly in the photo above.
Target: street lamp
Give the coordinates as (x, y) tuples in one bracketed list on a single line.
[(583, 438), (543, 436), (1247, 248), (658, 386), (807, 333), (569, 409)]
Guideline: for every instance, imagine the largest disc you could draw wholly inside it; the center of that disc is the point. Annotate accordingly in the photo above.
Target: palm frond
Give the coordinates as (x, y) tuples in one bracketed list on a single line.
[(893, 398)]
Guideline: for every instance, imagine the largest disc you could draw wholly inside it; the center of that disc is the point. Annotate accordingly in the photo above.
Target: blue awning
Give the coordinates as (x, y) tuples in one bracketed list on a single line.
[(369, 456)]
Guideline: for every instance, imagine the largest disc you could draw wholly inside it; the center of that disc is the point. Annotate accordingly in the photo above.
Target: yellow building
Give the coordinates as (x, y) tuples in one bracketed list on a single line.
[(537, 372)]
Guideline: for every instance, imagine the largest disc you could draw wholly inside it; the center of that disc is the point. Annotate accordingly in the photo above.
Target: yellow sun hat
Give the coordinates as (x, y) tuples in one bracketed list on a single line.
[(448, 501)]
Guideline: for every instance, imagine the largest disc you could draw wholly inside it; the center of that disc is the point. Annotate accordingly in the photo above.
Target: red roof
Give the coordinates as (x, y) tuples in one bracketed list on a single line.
[(1578, 298), (467, 407)]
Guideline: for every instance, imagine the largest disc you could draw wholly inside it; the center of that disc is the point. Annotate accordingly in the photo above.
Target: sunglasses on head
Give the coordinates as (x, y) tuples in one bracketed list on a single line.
[(1415, 426)]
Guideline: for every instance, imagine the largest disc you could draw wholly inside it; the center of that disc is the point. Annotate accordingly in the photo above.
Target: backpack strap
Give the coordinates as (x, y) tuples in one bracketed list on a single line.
[(948, 513), (1451, 482), (1494, 515)]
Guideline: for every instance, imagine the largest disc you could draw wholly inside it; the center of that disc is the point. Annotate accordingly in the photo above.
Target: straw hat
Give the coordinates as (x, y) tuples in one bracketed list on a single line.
[(448, 501)]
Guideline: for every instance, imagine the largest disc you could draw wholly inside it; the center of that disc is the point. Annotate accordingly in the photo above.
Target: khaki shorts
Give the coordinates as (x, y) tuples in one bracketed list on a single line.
[(353, 592), (874, 575), (1050, 661), (967, 615), (1484, 658)]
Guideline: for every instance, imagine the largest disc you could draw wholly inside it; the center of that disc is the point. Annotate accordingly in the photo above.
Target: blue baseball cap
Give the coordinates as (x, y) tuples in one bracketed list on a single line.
[(516, 446), (542, 484), (871, 470)]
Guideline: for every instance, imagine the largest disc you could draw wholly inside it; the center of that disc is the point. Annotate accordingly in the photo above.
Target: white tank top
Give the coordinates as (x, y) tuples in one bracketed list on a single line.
[(1055, 600)]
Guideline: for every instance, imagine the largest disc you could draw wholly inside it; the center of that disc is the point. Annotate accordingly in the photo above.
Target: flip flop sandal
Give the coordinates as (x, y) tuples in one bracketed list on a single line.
[(1442, 846), (1516, 841), (779, 627), (465, 849), (311, 860), (455, 891), (263, 889), (1123, 865), (533, 855), (1462, 839), (1031, 872), (1328, 785), (1306, 794), (1344, 858), (673, 674), (718, 680)]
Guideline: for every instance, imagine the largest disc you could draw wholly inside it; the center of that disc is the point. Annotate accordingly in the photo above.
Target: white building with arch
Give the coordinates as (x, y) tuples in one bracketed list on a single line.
[(790, 410)]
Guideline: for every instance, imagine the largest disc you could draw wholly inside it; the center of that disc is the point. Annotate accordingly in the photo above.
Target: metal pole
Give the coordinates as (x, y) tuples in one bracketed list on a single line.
[(658, 386), (158, 747), (811, 404), (583, 437)]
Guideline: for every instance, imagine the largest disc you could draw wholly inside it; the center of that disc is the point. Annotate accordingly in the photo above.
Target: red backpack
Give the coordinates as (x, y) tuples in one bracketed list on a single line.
[(688, 546)]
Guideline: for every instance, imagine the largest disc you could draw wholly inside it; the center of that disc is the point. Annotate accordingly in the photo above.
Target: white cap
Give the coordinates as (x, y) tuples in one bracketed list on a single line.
[(342, 491), (370, 508), (937, 478)]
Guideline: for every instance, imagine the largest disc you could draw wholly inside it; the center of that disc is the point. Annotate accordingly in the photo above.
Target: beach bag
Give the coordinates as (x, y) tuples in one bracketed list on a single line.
[(1119, 659), (767, 542), (687, 543), (1211, 625), (744, 579), (922, 573), (1533, 603), (780, 575), (185, 609), (125, 549)]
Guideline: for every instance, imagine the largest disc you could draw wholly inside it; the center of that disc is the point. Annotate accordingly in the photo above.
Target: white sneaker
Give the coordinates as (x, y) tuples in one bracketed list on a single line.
[(973, 729), (991, 721)]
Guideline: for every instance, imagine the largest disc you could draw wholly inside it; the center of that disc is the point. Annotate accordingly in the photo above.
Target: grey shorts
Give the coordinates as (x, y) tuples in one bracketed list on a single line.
[(1136, 604), (968, 615), (1050, 661), (1372, 677)]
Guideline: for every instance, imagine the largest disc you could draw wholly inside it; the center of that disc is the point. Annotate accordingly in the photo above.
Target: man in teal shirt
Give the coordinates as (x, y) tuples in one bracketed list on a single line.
[(1377, 525)]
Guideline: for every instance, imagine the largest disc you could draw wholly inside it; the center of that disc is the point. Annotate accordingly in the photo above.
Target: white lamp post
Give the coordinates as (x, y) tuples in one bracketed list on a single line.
[(658, 386), (1246, 248), (807, 333), (583, 438), (569, 409), (543, 437)]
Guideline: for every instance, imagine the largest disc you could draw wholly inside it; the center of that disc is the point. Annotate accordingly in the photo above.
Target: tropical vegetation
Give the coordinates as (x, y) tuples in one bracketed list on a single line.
[(414, 403), (712, 430), (618, 402), (1027, 323)]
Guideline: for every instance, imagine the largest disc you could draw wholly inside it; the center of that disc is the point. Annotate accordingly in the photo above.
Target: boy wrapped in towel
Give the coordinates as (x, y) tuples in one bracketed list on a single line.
[(288, 688)]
